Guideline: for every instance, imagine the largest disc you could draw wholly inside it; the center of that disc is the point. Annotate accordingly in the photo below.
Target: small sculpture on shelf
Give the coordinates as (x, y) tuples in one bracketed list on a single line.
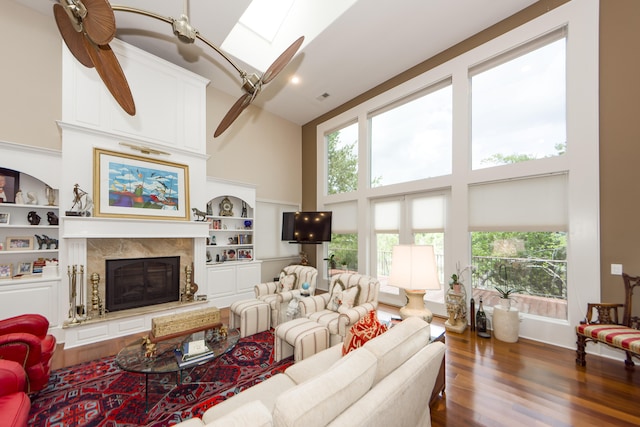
[(200, 216), (33, 199), (82, 203), (45, 242), (18, 198), (52, 218), (33, 218)]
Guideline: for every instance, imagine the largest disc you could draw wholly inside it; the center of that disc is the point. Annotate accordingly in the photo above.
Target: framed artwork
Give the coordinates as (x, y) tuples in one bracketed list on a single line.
[(19, 243), (4, 218), (5, 271), (24, 268), (9, 184), (245, 254), (129, 186)]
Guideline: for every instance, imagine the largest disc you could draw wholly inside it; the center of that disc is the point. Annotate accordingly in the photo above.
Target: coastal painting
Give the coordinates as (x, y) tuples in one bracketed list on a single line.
[(126, 185)]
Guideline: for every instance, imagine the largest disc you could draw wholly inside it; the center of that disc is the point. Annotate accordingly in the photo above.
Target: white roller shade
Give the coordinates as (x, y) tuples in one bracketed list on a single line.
[(344, 218), (428, 213), (387, 216), (531, 204)]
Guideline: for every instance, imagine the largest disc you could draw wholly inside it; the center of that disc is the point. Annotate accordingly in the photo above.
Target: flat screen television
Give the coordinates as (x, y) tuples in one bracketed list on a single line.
[(306, 227)]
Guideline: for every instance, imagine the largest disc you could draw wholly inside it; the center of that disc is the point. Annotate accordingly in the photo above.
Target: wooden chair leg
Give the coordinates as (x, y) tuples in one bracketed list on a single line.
[(581, 350), (628, 363)]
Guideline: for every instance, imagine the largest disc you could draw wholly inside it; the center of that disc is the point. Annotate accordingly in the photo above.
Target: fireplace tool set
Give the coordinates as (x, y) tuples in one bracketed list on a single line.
[(77, 311)]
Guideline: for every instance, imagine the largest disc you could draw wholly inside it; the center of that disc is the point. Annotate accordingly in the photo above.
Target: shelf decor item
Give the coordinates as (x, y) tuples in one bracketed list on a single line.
[(226, 207), (5, 271), (129, 186), (9, 185), (19, 243), (4, 218)]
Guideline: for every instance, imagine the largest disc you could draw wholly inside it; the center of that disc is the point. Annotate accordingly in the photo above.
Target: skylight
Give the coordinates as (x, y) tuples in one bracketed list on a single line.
[(268, 27)]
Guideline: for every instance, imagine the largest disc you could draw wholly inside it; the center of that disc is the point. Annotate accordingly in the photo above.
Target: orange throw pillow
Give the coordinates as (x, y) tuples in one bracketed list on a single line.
[(365, 329)]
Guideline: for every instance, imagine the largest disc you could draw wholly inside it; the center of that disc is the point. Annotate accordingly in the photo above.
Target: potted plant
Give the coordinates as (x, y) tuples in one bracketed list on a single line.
[(332, 263), (504, 289), (455, 282)]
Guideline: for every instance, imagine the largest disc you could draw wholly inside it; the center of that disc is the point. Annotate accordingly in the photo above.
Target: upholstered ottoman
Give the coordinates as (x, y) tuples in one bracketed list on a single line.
[(301, 338), (250, 316)]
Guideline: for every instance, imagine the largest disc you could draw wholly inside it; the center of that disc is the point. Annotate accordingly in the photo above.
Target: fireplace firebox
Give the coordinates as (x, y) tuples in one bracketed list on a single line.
[(140, 282)]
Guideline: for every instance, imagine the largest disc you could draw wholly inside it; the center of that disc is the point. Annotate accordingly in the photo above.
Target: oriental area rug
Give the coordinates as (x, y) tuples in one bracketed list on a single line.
[(99, 394)]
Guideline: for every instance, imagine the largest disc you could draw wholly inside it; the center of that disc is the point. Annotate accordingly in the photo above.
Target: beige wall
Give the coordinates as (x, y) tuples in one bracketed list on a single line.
[(30, 77), (619, 144), (619, 132), (260, 148)]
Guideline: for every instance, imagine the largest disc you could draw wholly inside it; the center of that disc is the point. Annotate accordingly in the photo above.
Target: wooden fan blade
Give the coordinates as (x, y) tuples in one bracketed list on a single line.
[(282, 61), (72, 38), (100, 22), (233, 113), (111, 73)]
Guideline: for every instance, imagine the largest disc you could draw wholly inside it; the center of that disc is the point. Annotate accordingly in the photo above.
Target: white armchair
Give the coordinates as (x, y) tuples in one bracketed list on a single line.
[(350, 297), (279, 294)]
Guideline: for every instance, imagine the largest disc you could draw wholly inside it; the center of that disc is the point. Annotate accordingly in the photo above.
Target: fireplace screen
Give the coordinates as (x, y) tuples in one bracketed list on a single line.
[(140, 282)]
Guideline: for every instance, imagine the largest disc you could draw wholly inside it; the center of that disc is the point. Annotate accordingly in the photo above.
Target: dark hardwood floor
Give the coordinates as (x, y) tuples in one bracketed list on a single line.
[(492, 383)]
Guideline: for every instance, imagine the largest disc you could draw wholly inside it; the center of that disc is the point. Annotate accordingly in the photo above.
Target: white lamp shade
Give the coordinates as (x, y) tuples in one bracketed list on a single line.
[(413, 267)]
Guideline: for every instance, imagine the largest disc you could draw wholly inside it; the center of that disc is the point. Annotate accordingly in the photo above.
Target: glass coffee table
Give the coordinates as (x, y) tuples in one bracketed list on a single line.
[(132, 358)]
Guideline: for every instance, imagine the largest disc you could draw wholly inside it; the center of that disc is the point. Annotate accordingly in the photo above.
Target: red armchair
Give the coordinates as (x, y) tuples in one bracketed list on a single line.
[(14, 402), (24, 339)]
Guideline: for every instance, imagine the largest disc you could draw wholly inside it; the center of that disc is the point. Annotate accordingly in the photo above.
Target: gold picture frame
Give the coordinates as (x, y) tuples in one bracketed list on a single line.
[(20, 243), (130, 186)]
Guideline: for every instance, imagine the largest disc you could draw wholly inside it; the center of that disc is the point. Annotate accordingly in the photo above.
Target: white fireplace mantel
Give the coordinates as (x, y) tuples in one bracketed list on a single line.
[(104, 228)]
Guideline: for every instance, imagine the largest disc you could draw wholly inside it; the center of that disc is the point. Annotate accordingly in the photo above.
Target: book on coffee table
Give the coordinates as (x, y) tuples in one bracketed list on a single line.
[(193, 353)]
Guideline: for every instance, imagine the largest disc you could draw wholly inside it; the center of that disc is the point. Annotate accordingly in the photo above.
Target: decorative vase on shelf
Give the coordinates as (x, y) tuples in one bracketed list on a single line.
[(456, 304)]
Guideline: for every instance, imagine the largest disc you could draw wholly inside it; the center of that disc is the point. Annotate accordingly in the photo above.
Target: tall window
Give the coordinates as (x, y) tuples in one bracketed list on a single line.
[(519, 104), (415, 219), (342, 160), (417, 128), (519, 241), (343, 249)]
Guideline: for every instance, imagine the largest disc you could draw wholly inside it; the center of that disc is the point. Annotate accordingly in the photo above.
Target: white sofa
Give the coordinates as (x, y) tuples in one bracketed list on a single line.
[(387, 382)]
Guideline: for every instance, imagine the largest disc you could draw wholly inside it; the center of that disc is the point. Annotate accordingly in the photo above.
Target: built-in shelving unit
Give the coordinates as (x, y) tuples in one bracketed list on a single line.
[(232, 265), (23, 243), (230, 237)]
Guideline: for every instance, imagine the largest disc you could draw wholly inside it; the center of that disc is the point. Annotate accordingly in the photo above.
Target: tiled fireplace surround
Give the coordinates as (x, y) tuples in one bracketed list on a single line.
[(100, 250)]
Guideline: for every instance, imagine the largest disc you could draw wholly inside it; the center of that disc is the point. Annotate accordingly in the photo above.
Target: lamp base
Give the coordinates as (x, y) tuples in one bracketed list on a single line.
[(415, 306)]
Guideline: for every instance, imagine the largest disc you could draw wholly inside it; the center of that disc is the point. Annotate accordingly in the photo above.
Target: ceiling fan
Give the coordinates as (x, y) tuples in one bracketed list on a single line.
[(87, 27)]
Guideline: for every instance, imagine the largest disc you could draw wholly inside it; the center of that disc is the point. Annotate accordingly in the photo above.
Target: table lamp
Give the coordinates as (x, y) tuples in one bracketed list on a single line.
[(413, 268)]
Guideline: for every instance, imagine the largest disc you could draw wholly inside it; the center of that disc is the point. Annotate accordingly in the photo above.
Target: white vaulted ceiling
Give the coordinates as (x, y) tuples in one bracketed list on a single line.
[(365, 45)]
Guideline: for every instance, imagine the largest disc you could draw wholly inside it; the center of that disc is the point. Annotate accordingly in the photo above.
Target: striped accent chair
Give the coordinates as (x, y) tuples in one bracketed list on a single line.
[(607, 328), (339, 319), (278, 294)]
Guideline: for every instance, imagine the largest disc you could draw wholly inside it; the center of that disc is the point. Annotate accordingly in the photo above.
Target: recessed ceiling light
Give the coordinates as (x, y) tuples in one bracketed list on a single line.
[(295, 80)]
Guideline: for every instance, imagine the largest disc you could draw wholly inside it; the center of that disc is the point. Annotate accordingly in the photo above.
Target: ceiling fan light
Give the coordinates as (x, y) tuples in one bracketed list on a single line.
[(183, 30)]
